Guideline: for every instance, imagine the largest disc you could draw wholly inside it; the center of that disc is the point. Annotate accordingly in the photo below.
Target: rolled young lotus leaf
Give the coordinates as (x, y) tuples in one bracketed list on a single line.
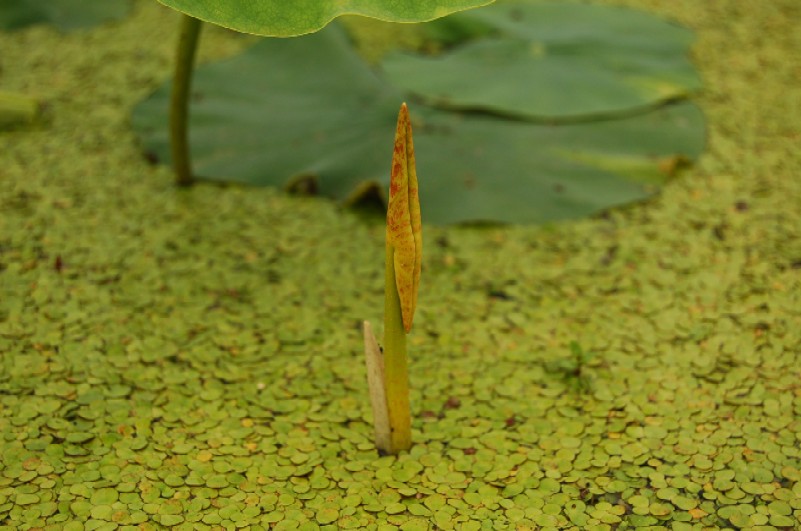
[(387, 371), (404, 227)]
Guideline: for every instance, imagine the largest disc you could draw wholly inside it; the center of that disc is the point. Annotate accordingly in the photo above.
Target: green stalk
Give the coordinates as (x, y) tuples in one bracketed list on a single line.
[(179, 102), (396, 374)]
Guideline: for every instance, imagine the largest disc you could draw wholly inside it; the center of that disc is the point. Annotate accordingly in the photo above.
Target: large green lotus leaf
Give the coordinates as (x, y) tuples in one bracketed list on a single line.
[(552, 61), (480, 168), (287, 18), (284, 109), (290, 108), (64, 14)]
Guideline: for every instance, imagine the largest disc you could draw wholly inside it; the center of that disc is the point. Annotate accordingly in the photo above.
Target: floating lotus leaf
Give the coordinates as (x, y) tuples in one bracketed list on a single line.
[(475, 167), (286, 109), (311, 111), (551, 61)]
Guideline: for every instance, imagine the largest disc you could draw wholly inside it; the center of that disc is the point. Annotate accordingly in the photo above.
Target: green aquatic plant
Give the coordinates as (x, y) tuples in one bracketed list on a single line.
[(272, 18), (541, 150), (279, 18), (388, 372)]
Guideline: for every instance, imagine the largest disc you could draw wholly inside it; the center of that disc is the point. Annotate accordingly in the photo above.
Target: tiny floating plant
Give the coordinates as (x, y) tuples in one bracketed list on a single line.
[(387, 371)]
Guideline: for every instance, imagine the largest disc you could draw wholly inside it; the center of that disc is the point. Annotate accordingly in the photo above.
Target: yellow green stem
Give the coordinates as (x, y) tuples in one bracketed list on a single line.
[(396, 374), (179, 104)]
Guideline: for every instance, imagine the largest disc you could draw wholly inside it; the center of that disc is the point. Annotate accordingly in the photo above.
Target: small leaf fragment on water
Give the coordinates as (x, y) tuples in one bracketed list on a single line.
[(17, 109), (375, 381)]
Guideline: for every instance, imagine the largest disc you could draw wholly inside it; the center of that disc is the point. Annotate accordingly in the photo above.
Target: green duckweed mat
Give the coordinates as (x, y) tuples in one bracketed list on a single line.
[(192, 358)]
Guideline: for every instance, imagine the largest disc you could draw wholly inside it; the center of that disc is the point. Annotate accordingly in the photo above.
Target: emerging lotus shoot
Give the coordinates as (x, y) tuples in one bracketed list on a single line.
[(387, 372)]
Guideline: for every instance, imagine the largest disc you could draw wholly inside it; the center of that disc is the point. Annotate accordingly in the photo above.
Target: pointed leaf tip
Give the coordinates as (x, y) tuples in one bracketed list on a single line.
[(404, 226)]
